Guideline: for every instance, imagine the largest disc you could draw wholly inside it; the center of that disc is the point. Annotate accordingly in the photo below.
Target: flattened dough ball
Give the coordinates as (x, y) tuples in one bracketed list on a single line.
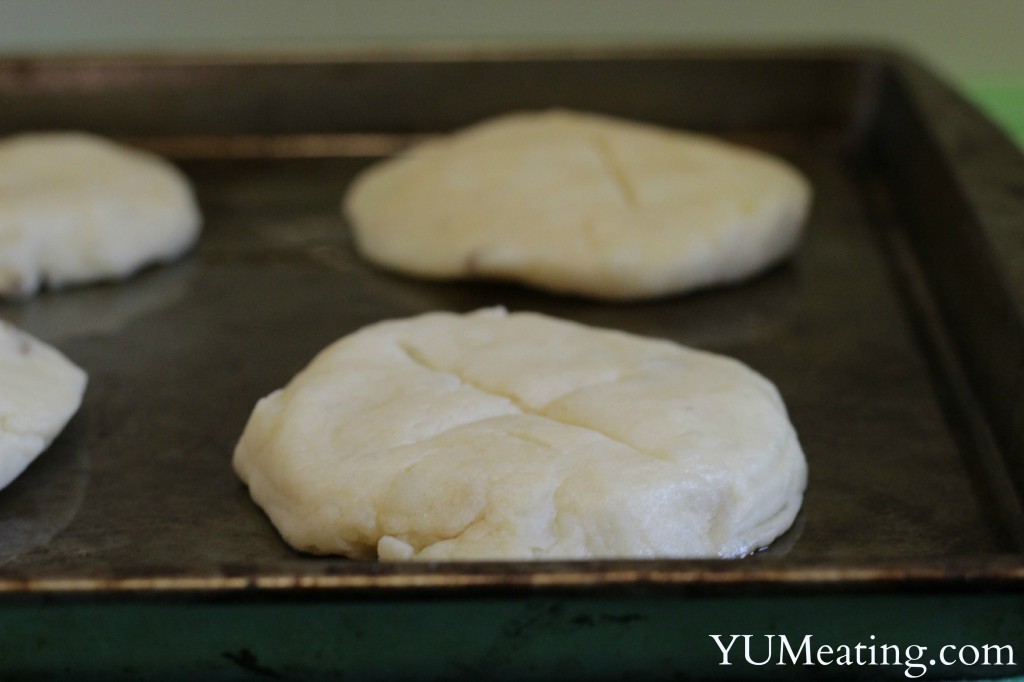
[(519, 436), (77, 208), (581, 204), (40, 390)]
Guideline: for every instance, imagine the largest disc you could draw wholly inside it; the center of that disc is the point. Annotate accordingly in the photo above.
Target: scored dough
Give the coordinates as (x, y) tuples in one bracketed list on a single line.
[(40, 390), (519, 436), (579, 203), (77, 208)]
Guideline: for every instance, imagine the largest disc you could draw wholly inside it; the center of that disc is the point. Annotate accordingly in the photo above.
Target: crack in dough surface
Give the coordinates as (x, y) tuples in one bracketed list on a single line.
[(418, 358), (516, 436), (619, 176), (581, 204)]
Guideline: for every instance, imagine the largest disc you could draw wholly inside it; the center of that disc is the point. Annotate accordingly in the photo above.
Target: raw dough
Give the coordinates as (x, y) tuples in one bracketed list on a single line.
[(581, 204), (40, 390), (519, 436), (76, 208)]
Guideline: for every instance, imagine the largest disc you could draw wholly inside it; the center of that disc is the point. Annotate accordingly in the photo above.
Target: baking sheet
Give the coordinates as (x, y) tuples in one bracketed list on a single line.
[(912, 470)]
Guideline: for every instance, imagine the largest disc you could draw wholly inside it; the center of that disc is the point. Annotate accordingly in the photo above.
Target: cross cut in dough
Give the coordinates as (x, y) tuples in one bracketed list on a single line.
[(519, 436), (579, 204)]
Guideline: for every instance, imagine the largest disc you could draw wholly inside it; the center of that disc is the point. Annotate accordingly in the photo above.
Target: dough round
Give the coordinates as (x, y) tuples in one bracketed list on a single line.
[(76, 208), (519, 436), (579, 203), (40, 390)]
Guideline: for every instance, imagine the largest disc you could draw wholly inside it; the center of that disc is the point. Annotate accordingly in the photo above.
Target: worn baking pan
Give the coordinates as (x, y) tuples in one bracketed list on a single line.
[(895, 334)]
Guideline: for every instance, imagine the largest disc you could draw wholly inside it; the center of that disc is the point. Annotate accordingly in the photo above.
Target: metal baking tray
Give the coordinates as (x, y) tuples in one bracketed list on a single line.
[(896, 336)]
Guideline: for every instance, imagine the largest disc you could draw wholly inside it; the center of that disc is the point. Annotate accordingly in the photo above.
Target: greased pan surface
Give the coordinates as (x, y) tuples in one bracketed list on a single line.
[(901, 383)]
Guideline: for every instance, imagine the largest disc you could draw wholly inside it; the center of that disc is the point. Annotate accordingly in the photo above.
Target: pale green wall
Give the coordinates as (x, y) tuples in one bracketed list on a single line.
[(976, 40)]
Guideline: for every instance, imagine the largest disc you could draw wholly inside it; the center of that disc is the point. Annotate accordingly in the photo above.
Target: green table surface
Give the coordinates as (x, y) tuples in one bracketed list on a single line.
[(1004, 102)]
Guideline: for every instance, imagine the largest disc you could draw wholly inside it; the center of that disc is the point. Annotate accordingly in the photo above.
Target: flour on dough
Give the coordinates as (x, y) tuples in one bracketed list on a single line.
[(77, 208), (40, 390), (519, 436), (581, 204)]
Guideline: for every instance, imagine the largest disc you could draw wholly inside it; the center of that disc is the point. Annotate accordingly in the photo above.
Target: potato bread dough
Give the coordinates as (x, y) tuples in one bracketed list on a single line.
[(517, 436), (40, 390), (581, 204), (77, 208)]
